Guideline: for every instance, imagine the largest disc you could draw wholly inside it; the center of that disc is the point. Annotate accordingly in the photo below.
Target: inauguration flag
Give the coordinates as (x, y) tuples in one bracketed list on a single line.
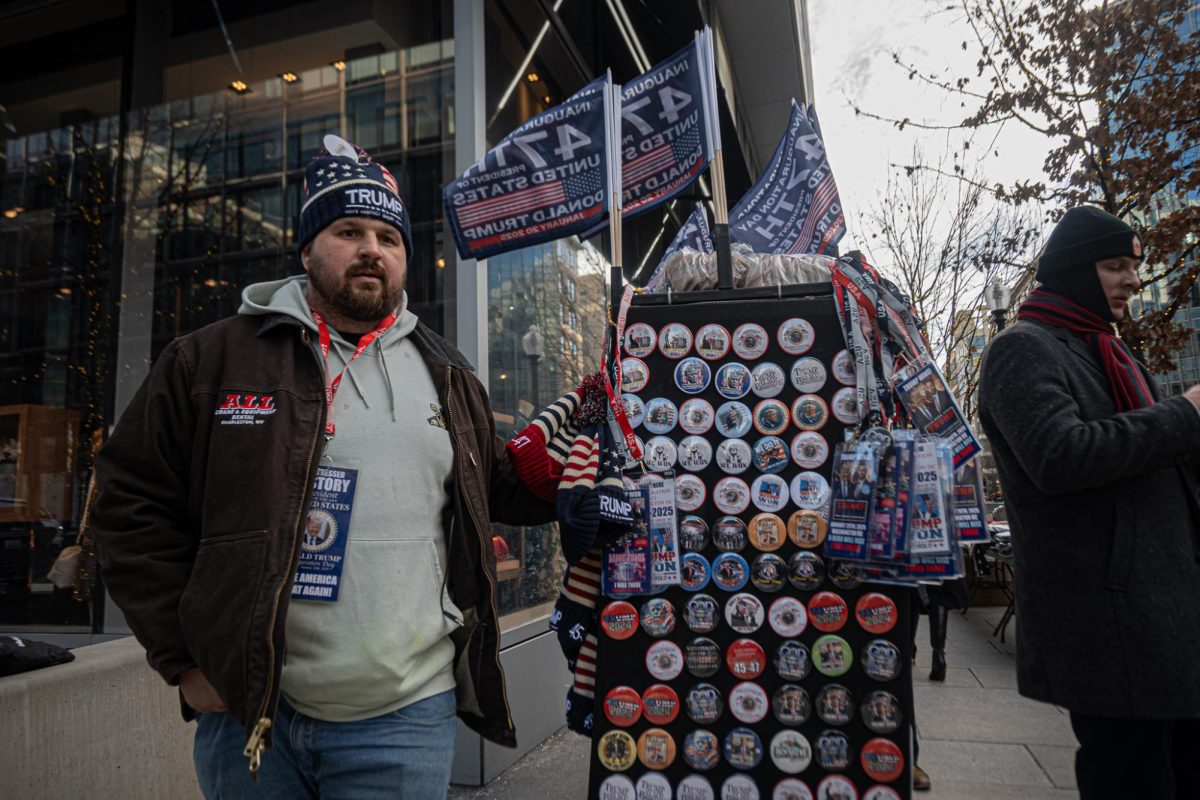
[(794, 208), (548, 179), (694, 234)]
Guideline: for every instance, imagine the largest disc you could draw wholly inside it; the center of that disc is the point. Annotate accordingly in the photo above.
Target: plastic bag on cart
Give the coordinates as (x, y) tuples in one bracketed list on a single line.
[(689, 270)]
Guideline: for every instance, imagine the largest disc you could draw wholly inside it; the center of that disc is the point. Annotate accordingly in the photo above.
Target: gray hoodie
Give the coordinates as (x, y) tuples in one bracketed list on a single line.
[(385, 642)]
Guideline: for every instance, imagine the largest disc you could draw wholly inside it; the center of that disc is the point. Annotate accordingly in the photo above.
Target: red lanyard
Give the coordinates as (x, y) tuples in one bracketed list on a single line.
[(332, 384)]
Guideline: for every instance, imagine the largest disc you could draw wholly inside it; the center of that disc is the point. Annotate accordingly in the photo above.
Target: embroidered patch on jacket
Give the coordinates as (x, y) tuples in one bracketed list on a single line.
[(437, 420), (245, 409)]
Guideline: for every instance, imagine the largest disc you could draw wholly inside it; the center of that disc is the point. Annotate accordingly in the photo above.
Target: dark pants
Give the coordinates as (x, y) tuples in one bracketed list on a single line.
[(1146, 759)]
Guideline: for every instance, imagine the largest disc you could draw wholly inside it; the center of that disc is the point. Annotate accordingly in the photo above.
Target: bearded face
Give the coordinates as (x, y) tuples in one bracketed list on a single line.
[(356, 269)]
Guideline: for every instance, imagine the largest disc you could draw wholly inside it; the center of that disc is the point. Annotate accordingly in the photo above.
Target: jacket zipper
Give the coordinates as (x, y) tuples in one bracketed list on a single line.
[(482, 551), (257, 741)]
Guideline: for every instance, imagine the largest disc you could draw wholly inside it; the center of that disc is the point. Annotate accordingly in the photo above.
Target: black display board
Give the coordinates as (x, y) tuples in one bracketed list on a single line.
[(622, 662)]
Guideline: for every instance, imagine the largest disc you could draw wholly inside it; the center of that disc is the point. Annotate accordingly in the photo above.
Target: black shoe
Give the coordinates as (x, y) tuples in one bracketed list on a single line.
[(937, 672)]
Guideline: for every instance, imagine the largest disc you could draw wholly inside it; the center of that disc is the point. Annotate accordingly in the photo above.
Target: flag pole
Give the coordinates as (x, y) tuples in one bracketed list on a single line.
[(716, 167), (613, 155)]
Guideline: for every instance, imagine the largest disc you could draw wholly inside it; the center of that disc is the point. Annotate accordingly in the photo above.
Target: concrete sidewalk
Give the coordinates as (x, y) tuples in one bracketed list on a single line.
[(980, 740)]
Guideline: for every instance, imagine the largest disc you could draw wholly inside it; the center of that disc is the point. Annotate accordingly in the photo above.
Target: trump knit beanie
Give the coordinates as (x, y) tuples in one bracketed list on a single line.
[(539, 452), (577, 503), (1082, 237)]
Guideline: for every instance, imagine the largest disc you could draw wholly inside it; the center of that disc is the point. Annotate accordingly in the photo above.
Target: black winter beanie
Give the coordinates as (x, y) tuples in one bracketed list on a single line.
[(1083, 236)]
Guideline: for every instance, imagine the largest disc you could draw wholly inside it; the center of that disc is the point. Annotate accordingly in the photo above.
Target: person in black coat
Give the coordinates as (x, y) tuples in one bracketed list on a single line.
[(1098, 478)]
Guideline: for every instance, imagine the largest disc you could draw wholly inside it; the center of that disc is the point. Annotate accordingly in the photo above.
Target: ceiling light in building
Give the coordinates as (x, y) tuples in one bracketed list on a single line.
[(503, 376), (546, 99), (338, 65), (64, 291), (532, 77), (210, 283), (289, 77), (441, 263), (240, 87), (12, 213)]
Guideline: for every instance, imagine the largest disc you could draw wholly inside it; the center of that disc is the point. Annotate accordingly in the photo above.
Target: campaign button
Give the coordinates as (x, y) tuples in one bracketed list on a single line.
[(836, 787), (881, 793), (748, 702), (807, 528), (695, 453), (806, 571), (694, 572), (661, 415), (693, 533), (729, 534), (739, 787), (788, 617), (791, 705), (881, 712), (768, 533), (744, 613), (658, 617), (843, 368), (616, 787), (768, 572), (694, 787), (809, 449), (750, 340), (689, 492), (640, 340), (701, 614), (634, 375), (712, 341), (875, 612), (734, 419), (796, 336), (845, 575), (770, 455), (810, 412), (808, 375), (833, 753), (835, 706), (734, 456), (745, 659), (791, 752), (771, 417), (791, 789), (656, 748), (704, 704), (881, 659), (617, 751), (660, 454), (622, 706), (810, 490), (692, 375), (792, 662), (674, 340), (664, 660), (767, 380), (730, 572), (832, 655), (701, 750), (696, 416), (733, 380), (882, 760), (845, 406), (743, 748), (731, 495), (619, 620), (660, 704), (635, 409), (653, 786), (703, 657), (769, 493), (827, 612)]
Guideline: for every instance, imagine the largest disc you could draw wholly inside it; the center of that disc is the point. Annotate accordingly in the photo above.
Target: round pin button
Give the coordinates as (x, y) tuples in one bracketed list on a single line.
[(660, 453), (733, 380), (809, 449), (701, 750), (875, 612), (729, 534), (739, 787), (791, 752), (832, 655), (845, 406), (617, 751), (693, 533), (743, 748), (836, 787), (767, 380), (827, 612), (617, 787), (881, 659), (712, 341), (696, 416), (634, 375), (791, 705), (674, 340), (748, 702), (701, 613), (808, 375), (734, 456), (658, 617), (843, 368), (750, 341), (661, 415), (703, 657), (745, 659), (695, 453), (704, 704), (769, 493), (692, 375), (619, 620), (694, 572), (664, 660), (770, 454), (788, 617), (792, 789), (744, 613), (806, 571), (731, 495), (810, 412), (656, 749), (767, 533), (734, 420), (771, 417), (844, 575), (882, 760), (640, 340), (694, 787), (796, 336), (881, 793), (768, 573), (622, 706), (792, 662), (881, 712), (730, 572), (807, 528), (653, 786), (833, 753), (660, 704), (835, 706), (635, 409), (810, 490), (689, 492)]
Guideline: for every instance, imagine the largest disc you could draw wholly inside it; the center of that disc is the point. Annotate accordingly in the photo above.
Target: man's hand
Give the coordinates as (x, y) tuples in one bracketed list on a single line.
[(198, 692), (1193, 394)]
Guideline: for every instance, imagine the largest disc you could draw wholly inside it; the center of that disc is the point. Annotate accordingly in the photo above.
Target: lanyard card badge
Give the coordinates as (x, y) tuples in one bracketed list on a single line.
[(664, 537), (929, 526), (625, 567), (855, 473), (934, 411), (325, 531), (970, 517)]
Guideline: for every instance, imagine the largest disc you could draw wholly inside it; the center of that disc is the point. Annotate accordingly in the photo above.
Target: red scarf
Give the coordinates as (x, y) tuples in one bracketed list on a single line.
[(1126, 382)]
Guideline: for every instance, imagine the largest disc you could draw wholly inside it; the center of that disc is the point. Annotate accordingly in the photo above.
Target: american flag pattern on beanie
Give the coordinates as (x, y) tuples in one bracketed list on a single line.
[(539, 451)]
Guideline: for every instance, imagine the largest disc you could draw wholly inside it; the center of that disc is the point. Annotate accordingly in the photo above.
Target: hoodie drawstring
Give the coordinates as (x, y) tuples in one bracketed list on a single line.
[(387, 378)]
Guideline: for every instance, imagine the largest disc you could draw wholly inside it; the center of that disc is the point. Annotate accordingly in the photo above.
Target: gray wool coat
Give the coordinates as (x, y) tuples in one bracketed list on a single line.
[(1106, 530)]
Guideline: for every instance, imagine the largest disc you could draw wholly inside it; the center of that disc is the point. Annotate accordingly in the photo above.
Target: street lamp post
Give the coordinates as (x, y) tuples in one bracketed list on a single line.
[(997, 297), (533, 344)]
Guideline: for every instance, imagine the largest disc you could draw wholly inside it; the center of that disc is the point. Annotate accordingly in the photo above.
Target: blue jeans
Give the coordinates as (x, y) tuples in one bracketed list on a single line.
[(402, 755)]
